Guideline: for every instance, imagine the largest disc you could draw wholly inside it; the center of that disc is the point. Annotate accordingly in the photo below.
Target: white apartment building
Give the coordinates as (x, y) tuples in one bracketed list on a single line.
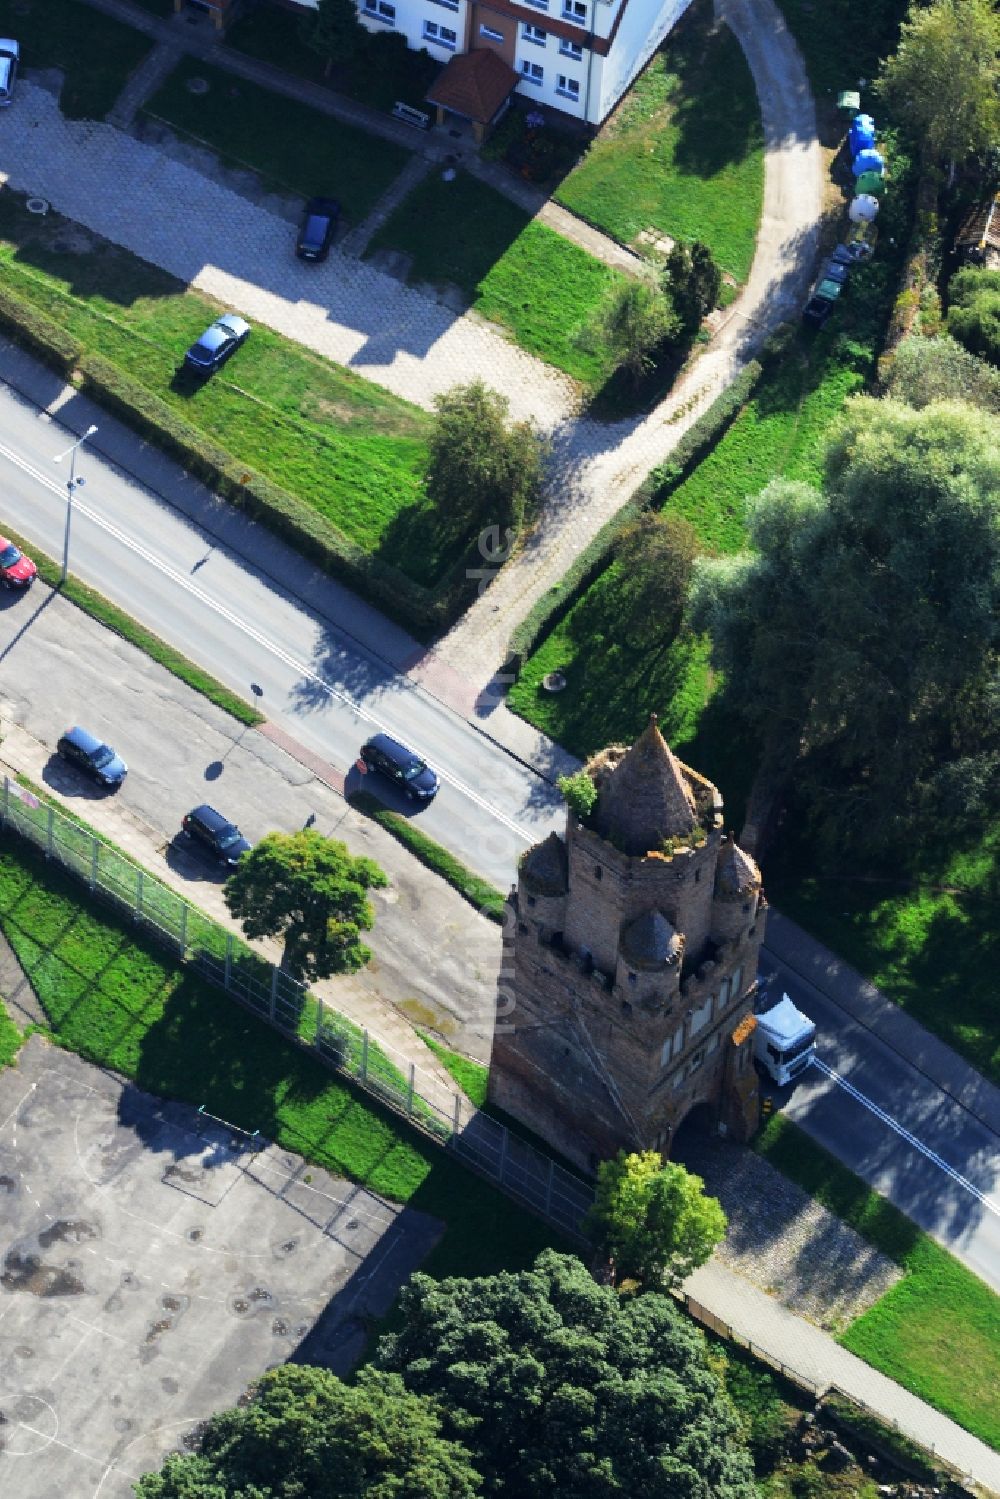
[(578, 56)]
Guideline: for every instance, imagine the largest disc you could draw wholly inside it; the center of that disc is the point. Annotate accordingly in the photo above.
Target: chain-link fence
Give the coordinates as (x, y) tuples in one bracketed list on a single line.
[(375, 1064)]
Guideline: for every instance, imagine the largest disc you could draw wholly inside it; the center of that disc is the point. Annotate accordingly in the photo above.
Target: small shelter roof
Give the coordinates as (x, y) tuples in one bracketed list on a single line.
[(474, 85)]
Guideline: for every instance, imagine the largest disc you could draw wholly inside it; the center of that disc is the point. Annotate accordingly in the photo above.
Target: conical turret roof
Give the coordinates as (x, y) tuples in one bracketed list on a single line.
[(651, 942), (645, 799), (736, 874)]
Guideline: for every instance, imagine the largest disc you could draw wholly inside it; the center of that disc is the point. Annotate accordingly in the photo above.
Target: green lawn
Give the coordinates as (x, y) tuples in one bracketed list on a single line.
[(291, 145), (96, 53), (112, 996), (10, 1038), (520, 274), (352, 451), (684, 152), (478, 892), (471, 1077), (937, 1324)]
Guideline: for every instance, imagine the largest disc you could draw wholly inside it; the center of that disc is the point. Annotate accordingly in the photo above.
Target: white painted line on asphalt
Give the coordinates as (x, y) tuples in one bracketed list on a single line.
[(925, 1150), (184, 582)]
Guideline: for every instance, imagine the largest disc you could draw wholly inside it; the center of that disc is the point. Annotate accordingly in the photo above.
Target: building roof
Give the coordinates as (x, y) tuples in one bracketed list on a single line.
[(544, 866), (650, 941), (736, 874), (474, 85), (645, 799), (981, 228)]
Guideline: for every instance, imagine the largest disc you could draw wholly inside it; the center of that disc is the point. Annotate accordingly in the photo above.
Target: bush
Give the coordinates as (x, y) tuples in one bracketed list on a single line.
[(32, 329), (974, 315)]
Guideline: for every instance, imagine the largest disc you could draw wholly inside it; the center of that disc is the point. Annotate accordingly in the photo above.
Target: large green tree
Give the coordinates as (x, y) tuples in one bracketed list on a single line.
[(943, 80), (484, 469), (859, 636), (562, 1389), (657, 555), (693, 280), (939, 369), (310, 891), (305, 1435), (974, 311), (652, 1220)]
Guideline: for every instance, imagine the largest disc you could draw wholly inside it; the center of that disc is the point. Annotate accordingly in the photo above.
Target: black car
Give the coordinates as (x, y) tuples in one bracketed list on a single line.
[(390, 758), (319, 225), (221, 837), (217, 343), (91, 755)]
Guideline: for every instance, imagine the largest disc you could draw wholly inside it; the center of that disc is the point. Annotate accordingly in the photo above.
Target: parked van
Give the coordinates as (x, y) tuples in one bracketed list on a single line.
[(785, 1041), (10, 53)]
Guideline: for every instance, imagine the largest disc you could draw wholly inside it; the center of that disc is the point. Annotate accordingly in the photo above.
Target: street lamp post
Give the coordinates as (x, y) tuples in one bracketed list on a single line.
[(72, 484)]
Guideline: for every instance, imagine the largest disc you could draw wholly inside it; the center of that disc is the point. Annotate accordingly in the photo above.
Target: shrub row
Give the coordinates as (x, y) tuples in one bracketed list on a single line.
[(652, 492), (421, 610), (478, 892)]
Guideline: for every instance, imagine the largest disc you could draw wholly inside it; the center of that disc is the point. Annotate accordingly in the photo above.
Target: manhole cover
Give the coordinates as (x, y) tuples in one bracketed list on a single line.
[(198, 85), (37, 205), (555, 681)]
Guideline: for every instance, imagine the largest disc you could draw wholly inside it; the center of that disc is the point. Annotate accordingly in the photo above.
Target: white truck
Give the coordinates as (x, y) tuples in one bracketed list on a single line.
[(785, 1041)]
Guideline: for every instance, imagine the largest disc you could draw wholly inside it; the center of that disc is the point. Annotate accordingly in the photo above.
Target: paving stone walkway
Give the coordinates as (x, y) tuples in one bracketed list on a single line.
[(154, 70), (785, 1243), (355, 242)]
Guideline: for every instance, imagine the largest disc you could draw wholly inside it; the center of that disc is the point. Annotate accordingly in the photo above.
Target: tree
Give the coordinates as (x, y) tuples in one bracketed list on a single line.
[(311, 891), (939, 369), (693, 281), (335, 32), (633, 324), (483, 470), (580, 793), (859, 637), (303, 1432), (652, 1220), (974, 311), (657, 555), (943, 81), (562, 1389)]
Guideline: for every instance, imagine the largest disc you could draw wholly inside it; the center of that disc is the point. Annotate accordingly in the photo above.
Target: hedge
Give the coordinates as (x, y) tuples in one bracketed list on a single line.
[(654, 490), (51, 343)]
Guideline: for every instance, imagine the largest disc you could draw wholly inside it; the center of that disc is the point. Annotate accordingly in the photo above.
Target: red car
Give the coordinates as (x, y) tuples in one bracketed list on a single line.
[(16, 570)]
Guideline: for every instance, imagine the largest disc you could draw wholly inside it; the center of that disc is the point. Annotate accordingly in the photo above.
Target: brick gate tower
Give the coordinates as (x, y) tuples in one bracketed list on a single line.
[(630, 955)]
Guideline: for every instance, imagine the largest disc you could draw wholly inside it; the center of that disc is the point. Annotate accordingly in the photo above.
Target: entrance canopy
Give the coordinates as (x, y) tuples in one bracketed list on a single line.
[(475, 85)]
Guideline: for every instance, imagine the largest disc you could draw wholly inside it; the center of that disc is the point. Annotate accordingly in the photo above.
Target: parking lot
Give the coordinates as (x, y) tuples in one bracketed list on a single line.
[(154, 1262)]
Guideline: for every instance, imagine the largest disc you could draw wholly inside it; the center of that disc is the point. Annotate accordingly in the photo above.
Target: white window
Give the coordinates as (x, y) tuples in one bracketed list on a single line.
[(571, 49), (725, 988), (537, 35), (575, 10), (678, 1080), (532, 72), (696, 1060), (443, 36), (490, 34), (381, 10), (568, 87), (737, 983), (701, 1016), (539, 4), (448, 4), (672, 1047)]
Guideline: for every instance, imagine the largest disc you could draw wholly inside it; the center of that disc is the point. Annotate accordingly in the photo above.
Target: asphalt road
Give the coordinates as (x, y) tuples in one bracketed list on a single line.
[(185, 578), (311, 678), (945, 1176)]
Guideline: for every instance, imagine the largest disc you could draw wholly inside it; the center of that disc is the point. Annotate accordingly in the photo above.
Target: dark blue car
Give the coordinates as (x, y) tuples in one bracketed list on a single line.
[(400, 765), (91, 755), (217, 343)]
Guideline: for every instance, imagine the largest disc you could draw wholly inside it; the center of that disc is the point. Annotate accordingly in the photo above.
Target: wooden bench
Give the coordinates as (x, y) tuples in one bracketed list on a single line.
[(410, 116)]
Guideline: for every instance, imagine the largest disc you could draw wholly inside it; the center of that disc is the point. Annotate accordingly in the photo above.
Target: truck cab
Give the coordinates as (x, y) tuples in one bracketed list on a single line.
[(785, 1041)]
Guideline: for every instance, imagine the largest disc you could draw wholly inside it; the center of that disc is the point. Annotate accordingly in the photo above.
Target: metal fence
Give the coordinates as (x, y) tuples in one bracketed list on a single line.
[(374, 1064)]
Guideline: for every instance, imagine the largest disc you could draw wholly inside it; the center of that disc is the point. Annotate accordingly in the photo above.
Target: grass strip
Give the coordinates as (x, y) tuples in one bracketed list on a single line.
[(486, 898), (935, 1324), (112, 996), (98, 607), (472, 1077)]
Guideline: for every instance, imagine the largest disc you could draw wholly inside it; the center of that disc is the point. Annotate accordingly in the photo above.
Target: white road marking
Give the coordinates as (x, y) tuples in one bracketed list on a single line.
[(182, 581), (904, 1134), (16, 1110)]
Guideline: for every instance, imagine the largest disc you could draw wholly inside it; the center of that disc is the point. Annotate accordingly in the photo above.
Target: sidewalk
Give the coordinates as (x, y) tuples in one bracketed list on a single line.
[(818, 1359)]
